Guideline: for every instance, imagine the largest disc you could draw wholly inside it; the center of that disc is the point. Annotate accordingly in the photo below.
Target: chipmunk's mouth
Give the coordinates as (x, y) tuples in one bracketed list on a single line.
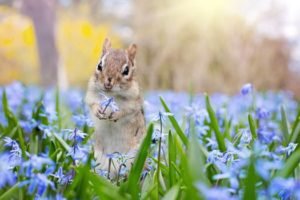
[(108, 87)]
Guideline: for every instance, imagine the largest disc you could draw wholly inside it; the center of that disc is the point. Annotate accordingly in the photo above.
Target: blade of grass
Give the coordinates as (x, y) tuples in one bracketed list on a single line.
[(61, 141), (195, 159), (214, 125), (290, 164), (295, 135), (284, 125), (250, 190), (22, 142), (138, 165), (297, 120), (172, 158), (175, 123), (103, 188), (252, 125), (10, 192), (10, 117), (172, 193)]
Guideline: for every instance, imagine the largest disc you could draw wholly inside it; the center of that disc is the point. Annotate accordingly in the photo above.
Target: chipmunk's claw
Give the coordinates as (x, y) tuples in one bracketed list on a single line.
[(100, 115), (114, 116)]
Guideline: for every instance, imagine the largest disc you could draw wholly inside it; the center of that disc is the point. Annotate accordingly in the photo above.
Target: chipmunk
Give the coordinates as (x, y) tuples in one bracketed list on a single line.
[(116, 131)]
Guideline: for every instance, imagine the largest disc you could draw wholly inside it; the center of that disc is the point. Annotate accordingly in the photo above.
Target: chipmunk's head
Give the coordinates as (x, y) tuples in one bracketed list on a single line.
[(115, 70)]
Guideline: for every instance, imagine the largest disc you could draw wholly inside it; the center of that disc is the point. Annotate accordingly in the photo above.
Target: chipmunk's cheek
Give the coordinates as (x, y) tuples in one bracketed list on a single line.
[(116, 88)]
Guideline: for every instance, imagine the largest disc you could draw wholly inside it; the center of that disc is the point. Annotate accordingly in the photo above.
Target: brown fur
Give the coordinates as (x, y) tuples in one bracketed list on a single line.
[(120, 131)]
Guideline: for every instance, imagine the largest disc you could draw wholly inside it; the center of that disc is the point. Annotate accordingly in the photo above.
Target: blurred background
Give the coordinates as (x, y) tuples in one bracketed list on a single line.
[(199, 45)]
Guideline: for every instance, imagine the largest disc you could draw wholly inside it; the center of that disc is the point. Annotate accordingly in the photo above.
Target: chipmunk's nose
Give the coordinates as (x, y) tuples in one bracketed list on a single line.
[(108, 83)]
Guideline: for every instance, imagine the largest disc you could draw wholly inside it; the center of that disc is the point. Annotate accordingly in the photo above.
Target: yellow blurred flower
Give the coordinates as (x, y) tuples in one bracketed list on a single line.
[(78, 40)]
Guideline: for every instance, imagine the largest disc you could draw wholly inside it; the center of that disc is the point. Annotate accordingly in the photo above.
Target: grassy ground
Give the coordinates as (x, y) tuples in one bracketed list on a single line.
[(196, 147)]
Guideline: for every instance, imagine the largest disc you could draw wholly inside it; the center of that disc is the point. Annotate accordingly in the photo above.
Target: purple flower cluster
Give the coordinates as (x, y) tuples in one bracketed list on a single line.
[(52, 137)]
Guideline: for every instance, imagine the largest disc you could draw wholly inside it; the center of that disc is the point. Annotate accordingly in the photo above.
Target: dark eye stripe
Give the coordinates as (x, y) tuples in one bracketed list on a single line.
[(100, 66), (126, 71)]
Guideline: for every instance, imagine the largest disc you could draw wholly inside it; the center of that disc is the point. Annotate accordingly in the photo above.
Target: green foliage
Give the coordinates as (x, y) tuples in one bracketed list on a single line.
[(214, 125), (181, 171)]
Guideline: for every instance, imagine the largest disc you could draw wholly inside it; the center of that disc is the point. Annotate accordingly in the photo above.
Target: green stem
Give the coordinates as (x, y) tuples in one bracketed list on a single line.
[(10, 192), (158, 156)]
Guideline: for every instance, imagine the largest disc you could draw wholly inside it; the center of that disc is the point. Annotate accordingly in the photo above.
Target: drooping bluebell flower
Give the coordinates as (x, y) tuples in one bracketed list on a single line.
[(63, 178), (157, 135), (246, 89), (161, 116), (15, 155), (35, 163), (285, 188), (46, 130), (38, 183), (78, 153), (219, 159), (108, 102), (7, 176), (265, 135), (211, 143), (76, 135), (121, 158), (262, 113), (287, 150), (102, 172)]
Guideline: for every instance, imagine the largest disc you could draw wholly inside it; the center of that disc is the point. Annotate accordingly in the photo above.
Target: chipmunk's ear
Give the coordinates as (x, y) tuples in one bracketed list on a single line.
[(106, 46), (131, 51)]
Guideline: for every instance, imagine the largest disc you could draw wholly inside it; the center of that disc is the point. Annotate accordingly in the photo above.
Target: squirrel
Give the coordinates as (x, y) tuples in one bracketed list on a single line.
[(116, 131)]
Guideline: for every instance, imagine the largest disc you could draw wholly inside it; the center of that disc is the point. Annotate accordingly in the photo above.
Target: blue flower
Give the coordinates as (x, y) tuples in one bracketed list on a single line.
[(211, 143), (7, 176), (265, 135), (246, 136), (76, 135), (107, 102), (62, 178), (287, 150), (161, 116), (246, 89), (78, 153), (285, 188), (38, 183), (262, 113), (15, 155), (35, 163)]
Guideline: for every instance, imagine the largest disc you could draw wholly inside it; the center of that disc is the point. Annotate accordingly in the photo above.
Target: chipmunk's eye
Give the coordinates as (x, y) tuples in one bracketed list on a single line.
[(126, 71), (100, 66)]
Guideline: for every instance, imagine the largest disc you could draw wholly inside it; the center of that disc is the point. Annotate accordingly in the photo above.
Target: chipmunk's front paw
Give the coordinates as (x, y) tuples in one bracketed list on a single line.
[(114, 116), (99, 113)]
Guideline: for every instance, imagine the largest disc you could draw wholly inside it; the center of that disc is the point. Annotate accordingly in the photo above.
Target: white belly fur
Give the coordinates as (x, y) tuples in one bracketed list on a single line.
[(122, 136)]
